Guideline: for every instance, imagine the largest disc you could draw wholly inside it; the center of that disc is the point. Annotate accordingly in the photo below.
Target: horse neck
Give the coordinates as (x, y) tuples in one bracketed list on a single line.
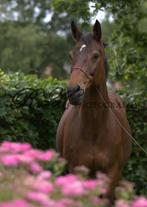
[(93, 109)]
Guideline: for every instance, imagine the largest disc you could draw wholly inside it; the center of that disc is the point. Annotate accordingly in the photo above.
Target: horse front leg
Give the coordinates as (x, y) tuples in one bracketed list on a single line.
[(115, 176)]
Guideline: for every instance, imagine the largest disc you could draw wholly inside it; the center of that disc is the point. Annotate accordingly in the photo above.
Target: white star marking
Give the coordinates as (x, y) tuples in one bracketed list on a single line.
[(82, 47)]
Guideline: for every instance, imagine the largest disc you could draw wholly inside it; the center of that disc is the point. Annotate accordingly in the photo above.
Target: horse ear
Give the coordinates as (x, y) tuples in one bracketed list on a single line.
[(97, 32), (75, 31)]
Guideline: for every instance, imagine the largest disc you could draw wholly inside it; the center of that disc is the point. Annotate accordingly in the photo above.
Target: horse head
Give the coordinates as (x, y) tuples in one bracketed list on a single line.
[(87, 62)]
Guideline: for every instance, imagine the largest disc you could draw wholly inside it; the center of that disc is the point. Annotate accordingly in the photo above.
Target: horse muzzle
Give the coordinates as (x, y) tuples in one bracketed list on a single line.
[(75, 95)]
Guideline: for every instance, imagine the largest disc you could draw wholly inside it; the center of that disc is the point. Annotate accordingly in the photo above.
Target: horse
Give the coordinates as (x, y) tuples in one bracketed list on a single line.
[(88, 133)]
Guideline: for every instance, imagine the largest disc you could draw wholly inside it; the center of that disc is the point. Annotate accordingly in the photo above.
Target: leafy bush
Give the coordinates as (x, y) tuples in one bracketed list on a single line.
[(30, 110), (136, 170), (29, 178)]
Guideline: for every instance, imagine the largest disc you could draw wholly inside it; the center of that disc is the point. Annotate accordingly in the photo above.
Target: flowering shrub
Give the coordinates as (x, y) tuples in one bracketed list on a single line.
[(28, 178)]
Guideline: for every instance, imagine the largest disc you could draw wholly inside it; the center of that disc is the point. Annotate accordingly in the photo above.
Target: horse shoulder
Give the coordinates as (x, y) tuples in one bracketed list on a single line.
[(60, 129)]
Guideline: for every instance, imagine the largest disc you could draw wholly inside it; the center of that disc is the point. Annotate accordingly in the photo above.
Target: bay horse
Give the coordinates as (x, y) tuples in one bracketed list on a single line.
[(88, 133)]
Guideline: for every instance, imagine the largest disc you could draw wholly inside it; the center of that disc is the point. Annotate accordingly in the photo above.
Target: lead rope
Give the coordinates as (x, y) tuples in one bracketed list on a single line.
[(120, 124), (117, 119)]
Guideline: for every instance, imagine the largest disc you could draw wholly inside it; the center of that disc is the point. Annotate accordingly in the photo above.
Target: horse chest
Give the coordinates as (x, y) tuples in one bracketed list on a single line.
[(89, 144), (89, 150), (89, 154)]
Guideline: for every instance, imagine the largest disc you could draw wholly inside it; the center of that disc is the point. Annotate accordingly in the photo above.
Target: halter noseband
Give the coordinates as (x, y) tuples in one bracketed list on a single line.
[(86, 74)]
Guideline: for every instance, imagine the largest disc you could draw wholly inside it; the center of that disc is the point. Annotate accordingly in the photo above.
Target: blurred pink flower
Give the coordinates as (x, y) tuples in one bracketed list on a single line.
[(29, 181), (140, 202), (90, 184), (102, 177), (41, 199), (75, 188), (23, 147), (63, 180), (95, 200), (12, 147), (6, 144), (122, 203), (45, 175), (35, 167), (10, 160), (43, 186), (65, 202), (47, 156), (25, 159), (70, 185), (102, 184), (68, 202), (15, 203), (33, 153)]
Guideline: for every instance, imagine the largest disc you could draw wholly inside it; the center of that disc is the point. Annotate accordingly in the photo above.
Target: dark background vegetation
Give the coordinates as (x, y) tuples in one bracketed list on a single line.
[(35, 34)]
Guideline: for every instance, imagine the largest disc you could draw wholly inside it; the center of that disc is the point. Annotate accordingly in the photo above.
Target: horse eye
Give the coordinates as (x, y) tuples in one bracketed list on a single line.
[(95, 55)]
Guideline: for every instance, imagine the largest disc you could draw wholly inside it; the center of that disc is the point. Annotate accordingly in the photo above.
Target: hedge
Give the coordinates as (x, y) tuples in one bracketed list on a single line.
[(30, 110)]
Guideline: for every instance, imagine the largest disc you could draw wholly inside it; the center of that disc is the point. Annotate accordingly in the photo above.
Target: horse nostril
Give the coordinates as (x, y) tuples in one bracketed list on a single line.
[(72, 90)]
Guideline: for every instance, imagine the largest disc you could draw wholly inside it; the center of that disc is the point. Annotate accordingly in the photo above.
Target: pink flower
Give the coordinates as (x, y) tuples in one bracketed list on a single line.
[(96, 201), (15, 147), (90, 184), (1, 174), (6, 145), (70, 185), (29, 181), (102, 185), (44, 175), (34, 154), (35, 168), (25, 159), (40, 198), (140, 202), (65, 202), (10, 160), (102, 177), (75, 188), (19, 203), (25, 147), (122, 203), (63, 180), (43, 186), (47, 156)]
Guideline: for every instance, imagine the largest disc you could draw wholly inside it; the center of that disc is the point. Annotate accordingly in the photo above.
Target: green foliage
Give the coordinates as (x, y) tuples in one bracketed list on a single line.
[(28, 49), (20, 47), (76, 9), (136, 170), (30, 110), (30, 40), (127, 46), (27, 11), (126, 35)]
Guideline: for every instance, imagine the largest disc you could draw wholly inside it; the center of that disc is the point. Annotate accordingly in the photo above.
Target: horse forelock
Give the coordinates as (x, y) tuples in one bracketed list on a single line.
[(86, 38)]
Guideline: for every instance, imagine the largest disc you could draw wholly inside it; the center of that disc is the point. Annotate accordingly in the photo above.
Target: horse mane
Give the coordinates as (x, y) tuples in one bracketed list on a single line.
[(86, 38), (107, 68)]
